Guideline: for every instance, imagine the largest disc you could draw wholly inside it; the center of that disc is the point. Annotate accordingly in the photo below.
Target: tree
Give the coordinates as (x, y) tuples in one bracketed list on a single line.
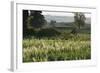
[(25, 17), (37, 20), (52, 23), (79, 19)]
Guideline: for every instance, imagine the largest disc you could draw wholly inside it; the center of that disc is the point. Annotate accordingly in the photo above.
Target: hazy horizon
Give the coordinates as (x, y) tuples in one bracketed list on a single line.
[(66, 19)]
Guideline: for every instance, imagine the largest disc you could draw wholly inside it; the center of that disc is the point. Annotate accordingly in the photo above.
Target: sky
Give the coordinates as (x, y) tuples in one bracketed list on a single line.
[(63, 14)]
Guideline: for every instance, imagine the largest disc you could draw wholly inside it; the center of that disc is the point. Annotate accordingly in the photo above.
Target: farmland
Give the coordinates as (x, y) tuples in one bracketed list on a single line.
[(56, 36), (57, 48)]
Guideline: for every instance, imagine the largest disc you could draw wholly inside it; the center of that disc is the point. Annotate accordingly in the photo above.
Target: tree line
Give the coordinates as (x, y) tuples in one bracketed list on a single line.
[(36, 20)]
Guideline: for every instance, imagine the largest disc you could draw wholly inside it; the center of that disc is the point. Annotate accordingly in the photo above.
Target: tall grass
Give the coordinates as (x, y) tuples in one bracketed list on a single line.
[(74, 48)]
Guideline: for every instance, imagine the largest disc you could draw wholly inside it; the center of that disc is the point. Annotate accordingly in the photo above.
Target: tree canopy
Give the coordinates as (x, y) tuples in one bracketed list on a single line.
[(38, 19)]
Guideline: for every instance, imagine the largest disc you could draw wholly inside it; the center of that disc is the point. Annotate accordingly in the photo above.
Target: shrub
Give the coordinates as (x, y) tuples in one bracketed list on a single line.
[(28, 32), (48, 32)]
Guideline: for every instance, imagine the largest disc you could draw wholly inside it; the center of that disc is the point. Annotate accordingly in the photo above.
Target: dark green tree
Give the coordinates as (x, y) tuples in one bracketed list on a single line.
[(37, 20), (25, 17), (79, 19)]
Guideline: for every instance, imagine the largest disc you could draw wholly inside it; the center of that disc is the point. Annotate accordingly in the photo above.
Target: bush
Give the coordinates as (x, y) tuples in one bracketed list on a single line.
[(28, 32), (48, 32)]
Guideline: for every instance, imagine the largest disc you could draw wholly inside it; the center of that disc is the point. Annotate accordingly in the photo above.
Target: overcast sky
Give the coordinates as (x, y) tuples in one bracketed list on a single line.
[(62, 14)]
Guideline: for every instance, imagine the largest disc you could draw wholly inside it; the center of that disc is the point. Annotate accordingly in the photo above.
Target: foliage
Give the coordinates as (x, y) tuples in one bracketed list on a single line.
[(29, 32), (25, 17), (48, 32), (37, 19), (79, 19)]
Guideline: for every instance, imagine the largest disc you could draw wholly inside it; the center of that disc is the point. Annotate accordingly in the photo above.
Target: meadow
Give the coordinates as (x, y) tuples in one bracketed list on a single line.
[(65, 46)]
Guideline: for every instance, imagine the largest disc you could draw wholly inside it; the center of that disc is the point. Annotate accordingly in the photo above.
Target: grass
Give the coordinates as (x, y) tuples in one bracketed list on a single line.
[(57, 49)]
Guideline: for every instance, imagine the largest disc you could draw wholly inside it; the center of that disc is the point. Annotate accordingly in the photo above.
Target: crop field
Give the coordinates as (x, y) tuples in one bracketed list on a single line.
[(74, 48)]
